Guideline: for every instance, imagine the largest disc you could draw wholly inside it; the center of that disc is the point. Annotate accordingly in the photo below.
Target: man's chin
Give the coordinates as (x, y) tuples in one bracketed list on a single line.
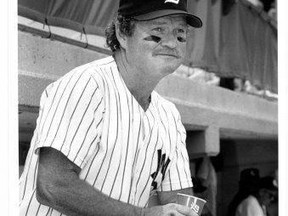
[(168, 65), (171, 62), (173, 65), (169, 69)]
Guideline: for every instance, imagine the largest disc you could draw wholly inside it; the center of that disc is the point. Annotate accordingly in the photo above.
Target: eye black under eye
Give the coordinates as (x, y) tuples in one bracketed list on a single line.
[(153, 38), (181, 39)]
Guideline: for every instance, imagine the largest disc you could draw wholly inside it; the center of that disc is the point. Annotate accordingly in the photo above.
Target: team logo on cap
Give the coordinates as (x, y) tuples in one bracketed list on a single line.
[(172, 1)]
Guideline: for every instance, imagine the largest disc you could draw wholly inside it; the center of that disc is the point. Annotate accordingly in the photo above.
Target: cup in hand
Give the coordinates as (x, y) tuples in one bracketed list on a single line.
[(195, 203)]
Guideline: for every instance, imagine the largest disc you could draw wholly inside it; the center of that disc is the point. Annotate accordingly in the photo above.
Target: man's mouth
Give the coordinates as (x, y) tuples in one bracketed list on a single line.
[(173, 55)]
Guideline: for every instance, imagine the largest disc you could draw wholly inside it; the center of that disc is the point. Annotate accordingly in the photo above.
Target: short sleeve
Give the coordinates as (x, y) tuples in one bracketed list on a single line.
[(250, 207), (178, 175), (71, 115)]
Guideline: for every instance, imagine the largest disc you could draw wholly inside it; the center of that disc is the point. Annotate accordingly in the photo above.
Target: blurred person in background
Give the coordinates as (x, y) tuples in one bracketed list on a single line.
[(248, 184), (257, 203)]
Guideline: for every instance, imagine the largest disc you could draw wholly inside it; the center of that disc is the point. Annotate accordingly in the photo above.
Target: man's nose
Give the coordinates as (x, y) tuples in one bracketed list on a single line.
[(170, 41)]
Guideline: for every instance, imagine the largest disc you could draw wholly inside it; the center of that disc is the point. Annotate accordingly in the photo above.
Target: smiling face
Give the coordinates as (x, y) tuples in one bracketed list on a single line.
[(157, 47)]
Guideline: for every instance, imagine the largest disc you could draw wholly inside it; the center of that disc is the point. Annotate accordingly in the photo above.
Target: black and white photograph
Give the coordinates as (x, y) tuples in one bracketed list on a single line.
[(144, 108)]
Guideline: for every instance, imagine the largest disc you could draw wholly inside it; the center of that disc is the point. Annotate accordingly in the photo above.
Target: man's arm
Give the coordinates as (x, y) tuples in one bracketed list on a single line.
[(59, 187)]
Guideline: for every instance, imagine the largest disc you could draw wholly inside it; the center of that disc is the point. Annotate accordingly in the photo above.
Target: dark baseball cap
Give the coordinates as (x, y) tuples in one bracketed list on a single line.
[(250, 175), (144, 10)]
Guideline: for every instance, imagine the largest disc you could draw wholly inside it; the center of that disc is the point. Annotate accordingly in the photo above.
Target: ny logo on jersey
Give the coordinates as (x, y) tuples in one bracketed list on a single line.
[(172, 1), (161, 169)]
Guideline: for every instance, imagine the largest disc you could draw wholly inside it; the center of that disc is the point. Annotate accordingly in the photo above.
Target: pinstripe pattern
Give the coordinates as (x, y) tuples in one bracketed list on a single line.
[(92, 118)]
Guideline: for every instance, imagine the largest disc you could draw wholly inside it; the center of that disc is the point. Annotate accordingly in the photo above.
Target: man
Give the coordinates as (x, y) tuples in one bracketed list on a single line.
[(105, 141), (248, 184), (256, 204)]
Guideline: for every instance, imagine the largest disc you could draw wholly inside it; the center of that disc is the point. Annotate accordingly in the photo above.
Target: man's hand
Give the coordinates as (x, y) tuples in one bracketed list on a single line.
[(170, 209)]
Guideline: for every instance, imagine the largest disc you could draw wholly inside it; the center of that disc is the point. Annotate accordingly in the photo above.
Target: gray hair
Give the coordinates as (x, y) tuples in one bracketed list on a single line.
[(126, 27)]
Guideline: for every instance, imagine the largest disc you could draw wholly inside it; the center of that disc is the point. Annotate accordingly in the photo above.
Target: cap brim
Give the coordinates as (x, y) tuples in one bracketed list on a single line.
[(192, 20)]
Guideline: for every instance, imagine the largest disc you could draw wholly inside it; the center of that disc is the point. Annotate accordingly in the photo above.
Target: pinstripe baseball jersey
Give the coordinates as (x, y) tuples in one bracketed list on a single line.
[(125, 152)]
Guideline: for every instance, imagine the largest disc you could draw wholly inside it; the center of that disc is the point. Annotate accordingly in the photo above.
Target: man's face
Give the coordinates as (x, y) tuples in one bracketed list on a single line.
[(267, 196), (157, 47)]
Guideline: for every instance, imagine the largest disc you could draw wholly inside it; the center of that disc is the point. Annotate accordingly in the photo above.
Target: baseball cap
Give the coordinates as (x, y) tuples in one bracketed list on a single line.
[(250, 175), (144, 10)]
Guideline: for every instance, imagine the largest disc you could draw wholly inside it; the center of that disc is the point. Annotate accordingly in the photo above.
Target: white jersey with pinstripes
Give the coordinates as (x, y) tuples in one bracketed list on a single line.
[(125, 152)]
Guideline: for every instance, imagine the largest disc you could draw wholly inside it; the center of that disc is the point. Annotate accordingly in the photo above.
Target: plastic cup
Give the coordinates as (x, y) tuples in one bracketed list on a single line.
[(195, 203)]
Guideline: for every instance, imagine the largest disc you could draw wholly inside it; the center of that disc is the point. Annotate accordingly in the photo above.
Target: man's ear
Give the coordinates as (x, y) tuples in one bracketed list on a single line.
[(121, 37)]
